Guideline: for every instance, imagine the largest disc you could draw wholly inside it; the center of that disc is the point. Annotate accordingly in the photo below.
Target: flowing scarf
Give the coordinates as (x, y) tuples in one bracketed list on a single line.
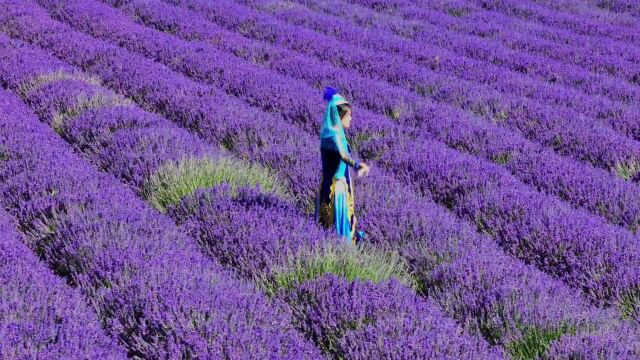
[(332, 126)]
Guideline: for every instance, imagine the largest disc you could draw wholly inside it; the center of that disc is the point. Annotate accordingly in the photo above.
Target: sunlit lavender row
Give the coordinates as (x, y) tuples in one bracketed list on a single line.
[(159, 167)]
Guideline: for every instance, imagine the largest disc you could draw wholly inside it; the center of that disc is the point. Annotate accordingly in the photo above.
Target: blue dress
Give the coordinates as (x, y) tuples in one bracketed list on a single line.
[(335, 196)]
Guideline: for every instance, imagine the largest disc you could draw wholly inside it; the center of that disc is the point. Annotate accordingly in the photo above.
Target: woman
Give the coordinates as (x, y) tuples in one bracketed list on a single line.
[(335, 199)]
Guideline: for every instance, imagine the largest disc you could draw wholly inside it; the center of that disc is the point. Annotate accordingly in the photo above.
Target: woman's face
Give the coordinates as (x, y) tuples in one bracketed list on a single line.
[(346, 119)]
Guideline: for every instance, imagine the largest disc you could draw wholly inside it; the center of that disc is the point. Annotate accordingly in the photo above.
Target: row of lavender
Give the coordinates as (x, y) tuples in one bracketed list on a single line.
[(528, 27), (619, 6), (565, 130), (464, 18), (109, 137), (546, 16), (600, 259), (39, 314), (495, 37), (529, 9), (582, 186), (608, 244), (596, 13), (617, 12), (135, 145), (541, 123), (601, 44), (151, 288), (424, 52)]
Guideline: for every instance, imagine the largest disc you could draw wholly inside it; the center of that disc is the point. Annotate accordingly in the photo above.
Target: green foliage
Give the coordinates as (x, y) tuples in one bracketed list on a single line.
[(535, 342), (5, 154), (358, 139), (174, 181), (627, 170), (557, 142), (502, 158), (57, 75), (83, 103), (395, 112), (351, 262), (308, 205), (456, 10), (628, 304), (426, 90), (500, 115)]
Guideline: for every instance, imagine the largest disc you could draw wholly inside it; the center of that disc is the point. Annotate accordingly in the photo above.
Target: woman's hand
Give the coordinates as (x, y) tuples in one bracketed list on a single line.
[(363, 170)]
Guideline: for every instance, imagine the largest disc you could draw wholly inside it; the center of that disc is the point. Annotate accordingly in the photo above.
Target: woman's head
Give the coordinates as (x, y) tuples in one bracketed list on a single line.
[(338, 105), (344, 111)]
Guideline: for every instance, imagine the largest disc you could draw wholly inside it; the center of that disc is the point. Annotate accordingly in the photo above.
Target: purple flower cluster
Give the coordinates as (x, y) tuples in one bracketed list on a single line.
[(248, 231), (600, 346), (40, 316), (349, 314), (416, 22), (426, 235), (604, 44), (581, 249), (619, 6), (547, 124), (596, 44), (483, 57), (464, 273), (580, 185), (150, 286), (252, 232), (579, 25)]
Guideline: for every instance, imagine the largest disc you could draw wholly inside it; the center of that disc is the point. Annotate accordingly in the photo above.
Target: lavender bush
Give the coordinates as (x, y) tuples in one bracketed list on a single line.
[(439, 233), (251, 244), (40, 315), (579, 229), (573, 182), (151, 287), (491, 231)]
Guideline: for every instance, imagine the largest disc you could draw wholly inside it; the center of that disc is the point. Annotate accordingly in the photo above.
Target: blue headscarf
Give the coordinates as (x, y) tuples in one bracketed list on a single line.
[(331, 125)]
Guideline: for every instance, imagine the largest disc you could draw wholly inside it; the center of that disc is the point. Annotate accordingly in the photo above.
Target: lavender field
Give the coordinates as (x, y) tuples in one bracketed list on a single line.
[(159, 162)]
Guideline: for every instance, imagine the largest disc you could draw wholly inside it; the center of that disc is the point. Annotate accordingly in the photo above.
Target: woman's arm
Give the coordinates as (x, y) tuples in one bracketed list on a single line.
[(344, 154), (333, 144)]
